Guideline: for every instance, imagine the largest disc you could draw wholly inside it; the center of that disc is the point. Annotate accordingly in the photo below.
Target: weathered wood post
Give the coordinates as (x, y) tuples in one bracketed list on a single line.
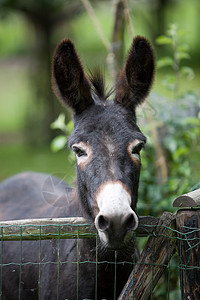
[(188, 241), (154, 260)]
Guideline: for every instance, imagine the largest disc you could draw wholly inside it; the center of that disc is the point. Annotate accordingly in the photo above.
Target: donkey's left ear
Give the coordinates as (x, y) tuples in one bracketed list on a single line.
[(137, 77)]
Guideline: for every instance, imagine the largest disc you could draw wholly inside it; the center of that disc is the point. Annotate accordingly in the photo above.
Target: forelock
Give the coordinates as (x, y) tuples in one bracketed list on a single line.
[(97, 80)]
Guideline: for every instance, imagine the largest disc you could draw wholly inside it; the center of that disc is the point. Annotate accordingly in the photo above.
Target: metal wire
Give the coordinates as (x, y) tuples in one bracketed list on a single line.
[(186, 236)]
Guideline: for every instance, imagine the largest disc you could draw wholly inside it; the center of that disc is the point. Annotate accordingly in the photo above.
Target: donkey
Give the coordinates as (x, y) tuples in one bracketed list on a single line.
[(107, 144)]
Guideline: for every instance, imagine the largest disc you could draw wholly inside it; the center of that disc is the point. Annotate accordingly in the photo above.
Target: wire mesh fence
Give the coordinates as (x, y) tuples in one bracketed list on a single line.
[(168, 267)]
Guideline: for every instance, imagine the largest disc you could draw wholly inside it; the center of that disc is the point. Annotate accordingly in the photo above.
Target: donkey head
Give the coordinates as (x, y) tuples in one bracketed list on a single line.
[(106, 139)]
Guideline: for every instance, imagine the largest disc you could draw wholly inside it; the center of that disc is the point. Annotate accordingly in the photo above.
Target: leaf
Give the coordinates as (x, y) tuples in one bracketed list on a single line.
[(172, 31), (193, 121), (182, 55), (181, 151), (165, 62), (58, 143), (183, 48), (70, 126), (170, 144), (169, 81), (59, 123), (164, 40), (188, 72)]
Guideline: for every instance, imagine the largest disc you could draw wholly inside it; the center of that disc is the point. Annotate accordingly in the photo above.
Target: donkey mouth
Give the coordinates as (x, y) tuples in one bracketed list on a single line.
[(116, 242), (116, 235), (115, 247)]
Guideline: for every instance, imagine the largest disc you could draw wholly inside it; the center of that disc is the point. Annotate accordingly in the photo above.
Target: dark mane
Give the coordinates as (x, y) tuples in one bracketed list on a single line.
[(97, 80)]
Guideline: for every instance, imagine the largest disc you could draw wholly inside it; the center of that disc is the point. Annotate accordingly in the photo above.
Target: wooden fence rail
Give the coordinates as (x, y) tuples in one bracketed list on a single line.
[(61, 228)]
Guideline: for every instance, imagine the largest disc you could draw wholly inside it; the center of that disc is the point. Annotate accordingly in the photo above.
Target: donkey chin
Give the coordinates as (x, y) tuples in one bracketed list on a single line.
[(116, 220)]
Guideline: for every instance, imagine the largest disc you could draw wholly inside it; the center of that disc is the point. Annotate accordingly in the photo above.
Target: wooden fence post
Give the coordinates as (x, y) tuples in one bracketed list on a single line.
[(188, 227), (156, 256), (154, 260), (187, 223)]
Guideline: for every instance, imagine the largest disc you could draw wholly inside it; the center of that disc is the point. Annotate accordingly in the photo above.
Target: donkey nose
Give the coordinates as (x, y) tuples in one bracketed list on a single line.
[(116, 217), (119, 224), (130, 222), (102, 223)]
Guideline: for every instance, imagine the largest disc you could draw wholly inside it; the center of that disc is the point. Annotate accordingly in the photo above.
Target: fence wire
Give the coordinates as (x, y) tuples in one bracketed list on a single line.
[(50, 249)]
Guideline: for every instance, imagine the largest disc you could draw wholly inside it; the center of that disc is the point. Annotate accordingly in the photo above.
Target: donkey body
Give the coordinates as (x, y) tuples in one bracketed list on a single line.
[(107, 143)]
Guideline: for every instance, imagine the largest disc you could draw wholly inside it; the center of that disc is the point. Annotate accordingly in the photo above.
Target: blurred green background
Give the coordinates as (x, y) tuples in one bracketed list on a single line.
[(102, 32), (29, 33)]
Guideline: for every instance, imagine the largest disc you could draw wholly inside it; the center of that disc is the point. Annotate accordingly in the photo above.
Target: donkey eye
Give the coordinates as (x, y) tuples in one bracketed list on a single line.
[(79, 152), (136, 149)]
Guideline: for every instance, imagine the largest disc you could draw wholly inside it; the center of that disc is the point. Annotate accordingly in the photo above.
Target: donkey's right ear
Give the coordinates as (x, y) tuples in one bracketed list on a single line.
[(69, 81)]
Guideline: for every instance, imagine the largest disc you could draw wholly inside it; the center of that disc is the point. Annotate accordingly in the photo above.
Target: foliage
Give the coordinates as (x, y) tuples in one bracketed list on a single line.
[(179, 138), (178, 130), (180, 50), (60, 141)]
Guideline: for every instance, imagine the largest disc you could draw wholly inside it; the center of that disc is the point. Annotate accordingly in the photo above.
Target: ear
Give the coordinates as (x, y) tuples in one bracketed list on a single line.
[(69, 81), (136, 79)]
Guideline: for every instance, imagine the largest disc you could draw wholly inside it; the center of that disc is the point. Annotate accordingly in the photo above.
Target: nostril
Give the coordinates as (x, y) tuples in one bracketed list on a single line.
[(103, 223), (131, 222)]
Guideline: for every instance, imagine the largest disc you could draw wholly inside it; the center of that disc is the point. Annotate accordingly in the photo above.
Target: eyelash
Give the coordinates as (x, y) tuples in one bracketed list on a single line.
[(79, 152), (137, 148)]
